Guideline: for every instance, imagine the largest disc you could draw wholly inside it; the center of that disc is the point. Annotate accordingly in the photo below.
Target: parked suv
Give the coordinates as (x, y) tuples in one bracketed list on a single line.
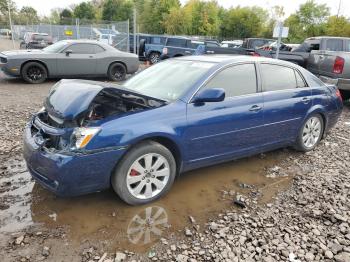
[(35, 41)]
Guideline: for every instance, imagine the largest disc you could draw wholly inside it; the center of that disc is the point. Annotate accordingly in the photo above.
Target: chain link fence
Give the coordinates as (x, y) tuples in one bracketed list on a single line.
[(110, 32)]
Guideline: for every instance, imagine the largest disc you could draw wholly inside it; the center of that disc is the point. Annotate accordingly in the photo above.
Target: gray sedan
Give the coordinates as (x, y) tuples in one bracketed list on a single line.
[(69, 58)]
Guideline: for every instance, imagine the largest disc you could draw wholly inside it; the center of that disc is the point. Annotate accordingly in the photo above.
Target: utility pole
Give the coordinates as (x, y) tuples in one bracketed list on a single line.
[(10, 20), (339, 8), (134, 29)]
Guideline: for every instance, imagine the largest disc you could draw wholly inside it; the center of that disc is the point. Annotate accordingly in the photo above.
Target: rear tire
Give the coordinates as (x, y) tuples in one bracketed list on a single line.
[(34, 73), (144, 174), (116, 72), (310, 133)]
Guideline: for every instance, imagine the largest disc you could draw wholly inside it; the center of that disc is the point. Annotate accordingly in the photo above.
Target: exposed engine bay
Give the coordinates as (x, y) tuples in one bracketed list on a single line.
[(66, 111), (108, 103)]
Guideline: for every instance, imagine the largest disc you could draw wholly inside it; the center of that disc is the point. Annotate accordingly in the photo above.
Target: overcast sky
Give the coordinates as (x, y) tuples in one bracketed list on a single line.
[(44, 6)]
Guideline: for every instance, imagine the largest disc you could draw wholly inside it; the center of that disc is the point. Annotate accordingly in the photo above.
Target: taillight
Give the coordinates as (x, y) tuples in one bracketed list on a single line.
[(338, 65), (165, 51), (338, 94)]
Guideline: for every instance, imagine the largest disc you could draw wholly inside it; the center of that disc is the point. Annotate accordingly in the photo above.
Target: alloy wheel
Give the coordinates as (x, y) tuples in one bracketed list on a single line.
[(312, 132), (148, 176), (154, 58), (118, 73), (34, 73)]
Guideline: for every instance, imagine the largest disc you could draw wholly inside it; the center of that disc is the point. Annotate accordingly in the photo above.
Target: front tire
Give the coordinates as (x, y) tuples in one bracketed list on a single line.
[(144, 174), (34, 73), (116, 72), (310, 133)]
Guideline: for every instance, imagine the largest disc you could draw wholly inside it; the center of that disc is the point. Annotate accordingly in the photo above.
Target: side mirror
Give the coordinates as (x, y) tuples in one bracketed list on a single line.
[(209, 95), (68, 52)]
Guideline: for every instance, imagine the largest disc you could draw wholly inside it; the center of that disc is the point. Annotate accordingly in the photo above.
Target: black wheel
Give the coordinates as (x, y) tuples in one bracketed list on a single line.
[(310, 133), (154, 57), (345, 94), (117, 72), (144, 174), (34, 73)]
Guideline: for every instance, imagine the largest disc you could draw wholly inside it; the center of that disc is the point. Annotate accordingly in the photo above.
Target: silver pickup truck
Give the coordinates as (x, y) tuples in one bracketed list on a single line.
[(330, 61)]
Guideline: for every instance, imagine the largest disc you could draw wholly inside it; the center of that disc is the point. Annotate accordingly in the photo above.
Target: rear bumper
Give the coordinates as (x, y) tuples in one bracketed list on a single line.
[(341, 83), (73, 174)]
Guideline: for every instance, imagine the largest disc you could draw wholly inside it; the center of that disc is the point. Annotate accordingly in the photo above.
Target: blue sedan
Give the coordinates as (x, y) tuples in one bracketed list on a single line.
[(178, 115)]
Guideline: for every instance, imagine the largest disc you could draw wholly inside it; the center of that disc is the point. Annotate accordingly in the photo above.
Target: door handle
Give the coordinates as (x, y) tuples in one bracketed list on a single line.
[(305, 100), (91, 56), (210, 52), (255, 108)]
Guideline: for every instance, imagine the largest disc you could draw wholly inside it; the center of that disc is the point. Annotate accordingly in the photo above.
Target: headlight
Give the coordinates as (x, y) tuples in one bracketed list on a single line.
[(83, 135)]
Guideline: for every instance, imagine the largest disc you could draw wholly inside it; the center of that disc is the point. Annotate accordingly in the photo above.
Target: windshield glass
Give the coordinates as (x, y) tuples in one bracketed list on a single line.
[(168, 80), (55, 47)]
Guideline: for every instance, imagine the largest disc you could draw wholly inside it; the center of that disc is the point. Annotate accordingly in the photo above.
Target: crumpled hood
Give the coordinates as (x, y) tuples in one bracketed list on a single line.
[(69, 98), (22, 52)]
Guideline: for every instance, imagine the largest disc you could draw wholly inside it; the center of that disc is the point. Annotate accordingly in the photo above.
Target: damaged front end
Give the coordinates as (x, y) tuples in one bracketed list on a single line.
[(74, 111)]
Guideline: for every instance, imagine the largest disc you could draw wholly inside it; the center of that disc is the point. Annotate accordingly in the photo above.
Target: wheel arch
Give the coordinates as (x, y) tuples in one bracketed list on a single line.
[(36, 61), (320, 111), (167, 142)]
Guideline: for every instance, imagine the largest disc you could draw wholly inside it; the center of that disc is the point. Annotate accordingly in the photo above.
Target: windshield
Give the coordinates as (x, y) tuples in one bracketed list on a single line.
[(55, 47), (168, 80)]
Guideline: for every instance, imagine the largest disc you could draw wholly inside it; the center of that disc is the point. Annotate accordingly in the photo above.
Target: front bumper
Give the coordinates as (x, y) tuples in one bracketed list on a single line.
[(69, 174), (341, 83), (10, 71)]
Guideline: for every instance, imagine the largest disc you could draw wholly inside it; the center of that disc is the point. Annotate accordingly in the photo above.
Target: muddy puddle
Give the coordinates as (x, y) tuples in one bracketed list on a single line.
[(103, 217)]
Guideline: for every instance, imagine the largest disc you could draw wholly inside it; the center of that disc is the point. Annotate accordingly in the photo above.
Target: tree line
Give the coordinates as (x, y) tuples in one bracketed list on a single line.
[(195, 17)]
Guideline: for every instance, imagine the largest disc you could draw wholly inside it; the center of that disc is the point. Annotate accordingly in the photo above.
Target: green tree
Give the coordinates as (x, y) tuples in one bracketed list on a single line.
[(117, 10), (4, 9), (309, 20), (174, 22), (243, 22), (338, 26), (66, 16), (27, 14), (154, 13), (84, 10)]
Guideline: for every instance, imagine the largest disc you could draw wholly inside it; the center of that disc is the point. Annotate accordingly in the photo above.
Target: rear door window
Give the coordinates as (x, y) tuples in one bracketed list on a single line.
[(334, 45), (277, 77), (236, 80)]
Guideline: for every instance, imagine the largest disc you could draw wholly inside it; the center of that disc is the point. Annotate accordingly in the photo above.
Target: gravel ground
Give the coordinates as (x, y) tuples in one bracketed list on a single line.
[(307, 222)]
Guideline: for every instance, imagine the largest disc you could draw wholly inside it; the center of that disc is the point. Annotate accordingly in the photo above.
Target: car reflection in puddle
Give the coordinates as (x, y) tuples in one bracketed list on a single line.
[(148, 225), (104, 217)]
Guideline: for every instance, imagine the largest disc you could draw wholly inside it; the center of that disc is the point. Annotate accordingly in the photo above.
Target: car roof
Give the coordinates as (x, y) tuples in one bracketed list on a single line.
[(228, 59)]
